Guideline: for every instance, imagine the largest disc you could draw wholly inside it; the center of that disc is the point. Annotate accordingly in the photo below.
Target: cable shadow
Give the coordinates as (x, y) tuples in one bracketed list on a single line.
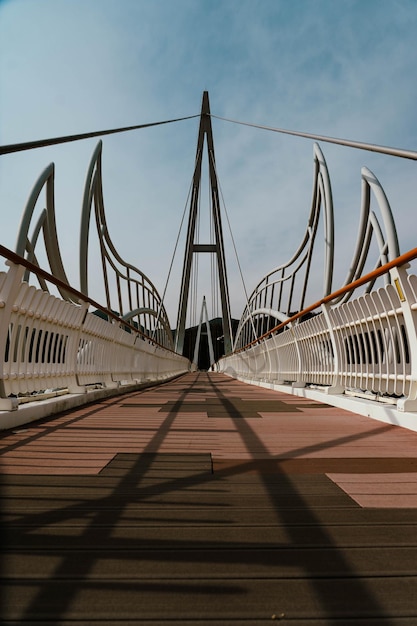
[(99, 528), (103, 514), (361, 594)]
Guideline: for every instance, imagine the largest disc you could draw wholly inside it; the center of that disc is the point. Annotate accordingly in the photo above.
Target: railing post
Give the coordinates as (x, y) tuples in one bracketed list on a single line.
[(75, 387), (407, 297), (336, 387), (8, 295), (298, 383)]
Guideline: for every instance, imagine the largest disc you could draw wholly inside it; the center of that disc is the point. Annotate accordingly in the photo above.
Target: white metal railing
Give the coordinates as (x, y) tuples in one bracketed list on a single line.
[(366, 345), (127, 289), (284, 288), (47, 342)]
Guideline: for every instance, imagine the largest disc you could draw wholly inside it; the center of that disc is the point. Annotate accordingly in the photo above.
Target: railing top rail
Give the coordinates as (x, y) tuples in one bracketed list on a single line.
[(18, 260), (401, 260)]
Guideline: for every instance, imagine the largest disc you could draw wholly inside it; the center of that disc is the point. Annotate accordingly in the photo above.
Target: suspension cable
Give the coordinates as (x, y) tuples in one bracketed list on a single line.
[(161, 304), (41, 143), (234, 248), (399, 152)]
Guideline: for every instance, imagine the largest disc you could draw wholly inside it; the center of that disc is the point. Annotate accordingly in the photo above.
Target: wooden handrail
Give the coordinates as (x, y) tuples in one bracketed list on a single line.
[(400, 260), (19, 260)]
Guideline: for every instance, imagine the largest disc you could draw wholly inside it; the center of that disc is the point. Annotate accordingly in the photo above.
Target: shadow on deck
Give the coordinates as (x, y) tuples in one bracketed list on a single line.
[(206, 501)]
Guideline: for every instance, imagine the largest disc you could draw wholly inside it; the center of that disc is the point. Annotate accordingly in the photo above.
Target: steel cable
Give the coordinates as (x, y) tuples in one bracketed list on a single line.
[(399, 152), (42, 143)]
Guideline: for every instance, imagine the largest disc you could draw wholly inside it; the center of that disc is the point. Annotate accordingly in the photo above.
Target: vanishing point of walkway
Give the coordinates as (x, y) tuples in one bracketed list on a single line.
[(207, 501)]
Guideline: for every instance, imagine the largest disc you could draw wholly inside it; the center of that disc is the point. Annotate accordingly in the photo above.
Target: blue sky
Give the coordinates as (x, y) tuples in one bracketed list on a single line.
[(342, 68)]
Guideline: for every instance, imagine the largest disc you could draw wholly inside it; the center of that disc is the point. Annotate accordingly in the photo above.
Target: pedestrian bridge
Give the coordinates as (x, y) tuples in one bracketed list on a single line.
[(355, 347), (138, 489)]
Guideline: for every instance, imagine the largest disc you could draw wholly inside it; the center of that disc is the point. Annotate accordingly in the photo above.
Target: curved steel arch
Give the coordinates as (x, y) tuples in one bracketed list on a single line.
[(369, 226), (135, 292), (268, 294), (47, 223), (146, 311), (140, 294), (279, 283)]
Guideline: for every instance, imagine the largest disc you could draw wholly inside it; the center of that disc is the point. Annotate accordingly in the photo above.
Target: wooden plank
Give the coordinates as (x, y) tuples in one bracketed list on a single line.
[(188, 521)]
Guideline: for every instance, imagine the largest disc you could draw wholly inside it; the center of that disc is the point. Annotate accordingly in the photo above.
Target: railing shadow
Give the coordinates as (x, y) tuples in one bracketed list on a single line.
[(101, 515)]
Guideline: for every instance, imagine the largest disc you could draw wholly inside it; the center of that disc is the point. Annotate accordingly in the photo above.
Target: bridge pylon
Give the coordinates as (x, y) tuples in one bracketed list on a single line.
[(204, 315), (205, 138)]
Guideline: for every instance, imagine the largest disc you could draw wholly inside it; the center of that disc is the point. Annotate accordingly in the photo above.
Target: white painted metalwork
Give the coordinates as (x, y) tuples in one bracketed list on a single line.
[(345, 343), (366, 345), (352, 344), (282, 291), (135, 298), (47, 342)]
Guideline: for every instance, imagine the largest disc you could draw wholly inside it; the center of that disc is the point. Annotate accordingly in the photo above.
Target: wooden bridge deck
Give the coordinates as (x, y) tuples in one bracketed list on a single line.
[(208, 501)]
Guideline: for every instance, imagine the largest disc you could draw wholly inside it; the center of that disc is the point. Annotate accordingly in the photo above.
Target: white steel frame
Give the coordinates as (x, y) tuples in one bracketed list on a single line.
[(50, 343), (282, 291), (134, 297), (354, 344), (366, 345)]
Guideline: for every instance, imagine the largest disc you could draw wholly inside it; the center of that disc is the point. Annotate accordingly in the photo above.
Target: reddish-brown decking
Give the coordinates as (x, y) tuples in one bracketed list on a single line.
[(206, 501), (238, 425)]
